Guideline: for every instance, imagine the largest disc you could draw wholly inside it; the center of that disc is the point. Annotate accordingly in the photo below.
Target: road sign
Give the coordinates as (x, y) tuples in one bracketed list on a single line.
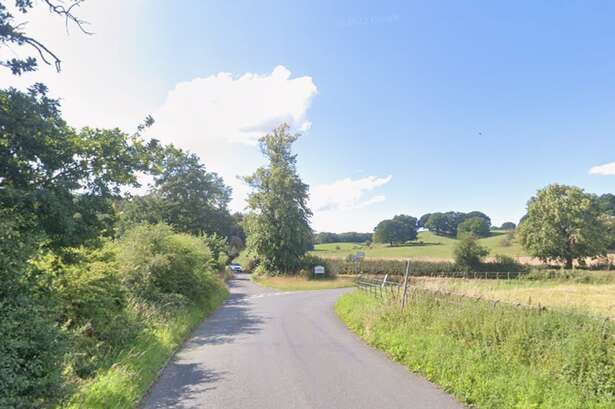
[(319, 270)]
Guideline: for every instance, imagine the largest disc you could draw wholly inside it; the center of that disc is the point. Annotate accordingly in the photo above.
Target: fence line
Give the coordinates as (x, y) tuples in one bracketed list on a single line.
[(371, 284)]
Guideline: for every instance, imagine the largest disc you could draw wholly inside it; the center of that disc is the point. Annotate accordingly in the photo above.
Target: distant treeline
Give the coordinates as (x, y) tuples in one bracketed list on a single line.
[(348, 237)]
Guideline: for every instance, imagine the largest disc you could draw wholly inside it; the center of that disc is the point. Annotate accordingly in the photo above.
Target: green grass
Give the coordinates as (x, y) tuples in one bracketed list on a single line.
[(493, 357), (301, 283), (130, 372), (432, 247), (596, 297)]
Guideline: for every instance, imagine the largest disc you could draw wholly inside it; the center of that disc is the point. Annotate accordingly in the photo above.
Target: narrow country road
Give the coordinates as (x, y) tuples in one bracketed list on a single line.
[(265, 349)]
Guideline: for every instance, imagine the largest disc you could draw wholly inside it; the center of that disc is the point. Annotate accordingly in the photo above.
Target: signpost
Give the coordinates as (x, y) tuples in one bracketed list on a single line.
[(319, 271)]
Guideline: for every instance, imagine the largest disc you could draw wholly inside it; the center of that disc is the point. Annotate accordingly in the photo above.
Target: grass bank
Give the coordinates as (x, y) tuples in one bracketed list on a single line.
[(493, 357), (128, 373), (302, 283)]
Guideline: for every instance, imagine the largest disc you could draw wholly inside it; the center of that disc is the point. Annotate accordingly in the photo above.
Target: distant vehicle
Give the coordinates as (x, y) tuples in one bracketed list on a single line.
[(236, 268)]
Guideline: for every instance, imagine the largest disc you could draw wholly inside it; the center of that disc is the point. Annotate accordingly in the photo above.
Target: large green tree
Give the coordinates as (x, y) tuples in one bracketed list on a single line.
[(277, 227), (474, 226), (399, 229), (186, 196), (62, 179), (563, 223)]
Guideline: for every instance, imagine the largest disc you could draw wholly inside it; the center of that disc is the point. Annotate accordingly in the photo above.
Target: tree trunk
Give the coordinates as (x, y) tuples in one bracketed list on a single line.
[(569, 263)]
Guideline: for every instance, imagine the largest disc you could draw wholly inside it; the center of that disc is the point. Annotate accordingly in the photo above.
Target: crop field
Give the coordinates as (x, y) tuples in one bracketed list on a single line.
[(596, 297), (428, 246)]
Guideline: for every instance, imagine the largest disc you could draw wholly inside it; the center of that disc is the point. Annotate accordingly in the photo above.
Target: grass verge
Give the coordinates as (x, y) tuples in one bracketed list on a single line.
[(302, 283), (493, 357), (131, 371)]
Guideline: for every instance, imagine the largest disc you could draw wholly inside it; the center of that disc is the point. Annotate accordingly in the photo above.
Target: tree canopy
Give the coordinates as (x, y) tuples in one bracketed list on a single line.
[(277, 225), (508, 226), (446, 224), (563, 223), (399, 229), (62, 179), (473, 226)]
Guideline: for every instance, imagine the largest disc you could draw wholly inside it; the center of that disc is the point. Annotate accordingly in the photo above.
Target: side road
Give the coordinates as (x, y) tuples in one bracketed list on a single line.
[(267, 349)]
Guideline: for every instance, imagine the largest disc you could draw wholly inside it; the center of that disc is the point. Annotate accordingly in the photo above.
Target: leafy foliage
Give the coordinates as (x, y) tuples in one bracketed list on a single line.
[(508, 226), (469, 253), (399, 229), (162, 267), (278, 225), (446, 224), (186, 196), (348, 237), (474, 226), (62, 179), (563, 224)]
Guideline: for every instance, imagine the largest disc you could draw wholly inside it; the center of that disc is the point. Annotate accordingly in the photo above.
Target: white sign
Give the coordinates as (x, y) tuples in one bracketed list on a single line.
[(319, 270)]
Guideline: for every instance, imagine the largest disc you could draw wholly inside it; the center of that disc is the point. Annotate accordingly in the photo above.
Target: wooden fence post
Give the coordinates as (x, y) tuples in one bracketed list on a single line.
[(405, 294)]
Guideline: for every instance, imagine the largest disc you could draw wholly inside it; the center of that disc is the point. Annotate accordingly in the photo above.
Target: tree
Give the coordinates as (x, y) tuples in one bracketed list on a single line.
[(446, 224), (12, 33), (468, 253), (277, 227), (186, 196), (563, 224), (474, 226), (64, 180), (399, 229), (606, 203), (508, 226), (423, 220)]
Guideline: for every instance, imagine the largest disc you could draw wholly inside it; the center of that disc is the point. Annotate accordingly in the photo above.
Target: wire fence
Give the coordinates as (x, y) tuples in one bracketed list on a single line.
[(397, 289)]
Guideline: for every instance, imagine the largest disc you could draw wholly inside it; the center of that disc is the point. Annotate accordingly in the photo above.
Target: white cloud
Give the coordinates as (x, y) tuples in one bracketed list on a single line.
[(220, 118), (346, 194), (606, 169)]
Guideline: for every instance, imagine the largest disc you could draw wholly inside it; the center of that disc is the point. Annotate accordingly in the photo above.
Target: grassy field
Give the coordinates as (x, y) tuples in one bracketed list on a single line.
[(594, 298), (428, 246), (301, 283), (493, 357)]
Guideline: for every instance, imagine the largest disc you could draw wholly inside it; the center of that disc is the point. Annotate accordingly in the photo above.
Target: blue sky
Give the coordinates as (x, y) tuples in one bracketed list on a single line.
[(413, 106)]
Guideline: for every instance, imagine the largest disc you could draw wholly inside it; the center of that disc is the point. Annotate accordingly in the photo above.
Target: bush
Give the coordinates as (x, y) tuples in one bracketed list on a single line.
[(91, 305), (163, 267), (468, 254), (31, 344), (474, 226)]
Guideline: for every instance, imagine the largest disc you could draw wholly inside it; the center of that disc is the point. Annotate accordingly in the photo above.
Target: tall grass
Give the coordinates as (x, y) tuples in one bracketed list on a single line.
[(493, 357), (128, 373)]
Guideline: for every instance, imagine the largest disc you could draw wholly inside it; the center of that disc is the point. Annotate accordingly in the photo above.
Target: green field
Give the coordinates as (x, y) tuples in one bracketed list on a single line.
[(427, 246)]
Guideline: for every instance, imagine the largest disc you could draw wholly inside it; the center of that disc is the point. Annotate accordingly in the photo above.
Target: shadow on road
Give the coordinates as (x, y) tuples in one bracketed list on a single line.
[(189, 381), (186, 378), (233, 320)]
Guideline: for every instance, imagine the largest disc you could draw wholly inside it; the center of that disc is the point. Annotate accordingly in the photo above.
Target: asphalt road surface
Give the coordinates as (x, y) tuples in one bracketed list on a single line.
[(265, 349)]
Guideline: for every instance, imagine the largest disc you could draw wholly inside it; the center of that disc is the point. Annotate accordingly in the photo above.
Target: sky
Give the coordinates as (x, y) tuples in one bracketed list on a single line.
[(404, 107)]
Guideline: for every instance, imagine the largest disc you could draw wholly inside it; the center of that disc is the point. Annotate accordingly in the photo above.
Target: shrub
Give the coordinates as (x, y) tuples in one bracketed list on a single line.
[(91, 305), (31, 344), (468, 254), (163, 267)]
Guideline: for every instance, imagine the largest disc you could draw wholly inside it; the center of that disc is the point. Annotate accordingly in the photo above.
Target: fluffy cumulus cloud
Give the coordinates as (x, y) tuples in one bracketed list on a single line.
[(343, 204), (232, 109), (606, 169), (346, 194), (220, 118)]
